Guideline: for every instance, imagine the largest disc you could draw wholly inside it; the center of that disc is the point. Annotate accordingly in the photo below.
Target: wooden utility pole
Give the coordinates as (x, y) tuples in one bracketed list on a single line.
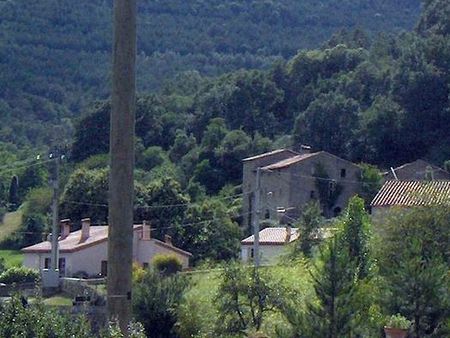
[(121, 187), (256, 216)]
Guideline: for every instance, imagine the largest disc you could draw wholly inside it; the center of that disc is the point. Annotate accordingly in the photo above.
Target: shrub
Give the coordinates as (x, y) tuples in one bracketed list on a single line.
[(18, 275), (155, 302), (398, 321), (167, 264)]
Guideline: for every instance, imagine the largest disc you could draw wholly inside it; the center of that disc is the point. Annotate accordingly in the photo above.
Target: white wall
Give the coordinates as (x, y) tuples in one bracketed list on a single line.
[(146, 250), (269, 254)]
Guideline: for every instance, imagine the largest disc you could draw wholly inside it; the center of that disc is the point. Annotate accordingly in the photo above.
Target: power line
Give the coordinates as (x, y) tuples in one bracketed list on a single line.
[(157, 206)]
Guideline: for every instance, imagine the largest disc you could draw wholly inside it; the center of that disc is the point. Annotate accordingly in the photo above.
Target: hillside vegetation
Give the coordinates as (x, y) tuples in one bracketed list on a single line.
[(55, 55)]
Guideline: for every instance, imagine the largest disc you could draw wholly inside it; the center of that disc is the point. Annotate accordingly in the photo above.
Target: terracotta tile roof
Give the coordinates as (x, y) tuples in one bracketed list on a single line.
[(71, 243), (270, 153), (97, 235), (412, 193), (272, 236), (288, 162)]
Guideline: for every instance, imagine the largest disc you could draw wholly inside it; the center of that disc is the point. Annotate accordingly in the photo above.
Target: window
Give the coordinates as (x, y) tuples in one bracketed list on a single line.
[(312, 195), (47, 263), (252, 253), (343, 173), (62, 265), (104, 268), (145, 265), (267, 214)]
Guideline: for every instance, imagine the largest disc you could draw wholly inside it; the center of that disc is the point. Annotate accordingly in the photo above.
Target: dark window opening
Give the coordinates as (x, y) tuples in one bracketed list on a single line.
[(62, 265), (252, 253), (343, 173), (145, 265), (104, 268), (312, 195), (47, 263), (337, 211), (267, 214)]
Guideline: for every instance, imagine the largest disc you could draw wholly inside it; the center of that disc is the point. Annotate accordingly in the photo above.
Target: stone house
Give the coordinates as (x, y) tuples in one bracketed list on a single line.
[(402, 195), (86, 251), (418, 170), (289, 180), (273, 243)]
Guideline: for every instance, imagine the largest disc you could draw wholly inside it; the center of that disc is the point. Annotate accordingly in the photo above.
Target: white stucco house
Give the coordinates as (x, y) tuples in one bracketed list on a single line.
[(86, 250), (272, 244)]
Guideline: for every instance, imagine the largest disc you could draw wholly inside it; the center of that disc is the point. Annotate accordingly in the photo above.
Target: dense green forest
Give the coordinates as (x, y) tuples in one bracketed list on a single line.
[(55, 55), (378, 99)]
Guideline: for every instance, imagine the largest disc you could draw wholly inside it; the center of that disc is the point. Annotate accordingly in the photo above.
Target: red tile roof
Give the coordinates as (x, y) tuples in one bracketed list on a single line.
[(97, 235), (412, 193), (270, 153), (272, 236)]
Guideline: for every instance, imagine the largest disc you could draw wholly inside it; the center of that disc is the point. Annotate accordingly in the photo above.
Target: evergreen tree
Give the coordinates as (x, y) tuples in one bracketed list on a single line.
[(355, 235), (334, 285), (14, 194)]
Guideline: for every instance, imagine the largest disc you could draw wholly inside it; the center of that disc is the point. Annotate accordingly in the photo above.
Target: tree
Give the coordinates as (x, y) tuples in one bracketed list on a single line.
[(32, 177), (163, 204), (210, 233), (370, 182), (356, 235), (332, 313), (414, 260), (85, 195), (245, 297), (309, 224), (13, 199), (328, 124)]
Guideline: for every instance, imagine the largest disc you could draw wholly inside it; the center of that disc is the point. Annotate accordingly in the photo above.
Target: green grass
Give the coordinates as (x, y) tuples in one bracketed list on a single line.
[(59, 300), (11, 257), (11, 222), (199, 307)]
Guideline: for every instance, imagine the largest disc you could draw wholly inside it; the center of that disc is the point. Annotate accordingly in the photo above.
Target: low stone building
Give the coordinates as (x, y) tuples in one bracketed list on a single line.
[(418, 170), (289, 180), (86, 251)]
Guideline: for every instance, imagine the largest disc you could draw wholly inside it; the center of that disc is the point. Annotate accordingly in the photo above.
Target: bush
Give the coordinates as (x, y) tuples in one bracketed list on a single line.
[(155, 303), (398, 321), (37, 320), (167, 264), (18, 275)]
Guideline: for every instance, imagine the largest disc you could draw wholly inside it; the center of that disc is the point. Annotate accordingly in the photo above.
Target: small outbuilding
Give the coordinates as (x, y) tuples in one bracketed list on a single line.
[(273, 243)]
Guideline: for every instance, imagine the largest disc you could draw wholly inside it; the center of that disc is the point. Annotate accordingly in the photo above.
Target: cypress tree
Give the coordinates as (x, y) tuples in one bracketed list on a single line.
[(14, 193)]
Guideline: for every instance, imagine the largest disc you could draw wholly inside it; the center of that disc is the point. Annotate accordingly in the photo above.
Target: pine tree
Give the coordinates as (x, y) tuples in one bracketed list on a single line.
[(334, 285)]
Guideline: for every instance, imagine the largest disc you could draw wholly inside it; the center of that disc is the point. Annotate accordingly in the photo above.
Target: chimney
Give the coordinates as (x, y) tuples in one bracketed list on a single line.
[(288, 234), (65, 228), (85, 227), (146, 231), (168, 239), (304, 149)]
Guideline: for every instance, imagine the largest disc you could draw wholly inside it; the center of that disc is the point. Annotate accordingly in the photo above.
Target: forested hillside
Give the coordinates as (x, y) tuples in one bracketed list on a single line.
[(54, 54)]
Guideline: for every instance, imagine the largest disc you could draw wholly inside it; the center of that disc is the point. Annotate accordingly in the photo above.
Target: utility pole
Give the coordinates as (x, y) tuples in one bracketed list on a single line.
[(55, 197), (121, 187), (257, 211)]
